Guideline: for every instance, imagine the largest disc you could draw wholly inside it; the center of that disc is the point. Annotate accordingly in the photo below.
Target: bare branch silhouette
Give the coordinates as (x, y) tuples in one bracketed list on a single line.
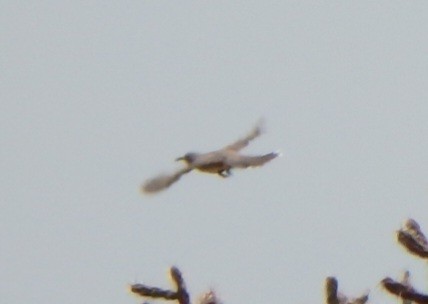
[(331, 290), (153, 292), (403, 291), (181, 294), (412, 238), (334, 297), (414, 228), (406, 282)]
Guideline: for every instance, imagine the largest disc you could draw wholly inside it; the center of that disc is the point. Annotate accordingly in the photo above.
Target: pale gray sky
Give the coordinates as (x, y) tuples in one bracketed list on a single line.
[(98, 96)]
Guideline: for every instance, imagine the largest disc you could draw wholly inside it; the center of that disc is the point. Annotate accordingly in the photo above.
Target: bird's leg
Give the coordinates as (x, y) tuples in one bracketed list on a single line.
[(224, 173)]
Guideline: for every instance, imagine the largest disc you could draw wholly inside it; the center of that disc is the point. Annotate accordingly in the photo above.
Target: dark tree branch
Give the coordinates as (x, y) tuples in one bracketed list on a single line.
[(181, 295), (334, 297), (406, 282), (153, 292), (411, 244), (413, 239), (403, 291), (331, 290)]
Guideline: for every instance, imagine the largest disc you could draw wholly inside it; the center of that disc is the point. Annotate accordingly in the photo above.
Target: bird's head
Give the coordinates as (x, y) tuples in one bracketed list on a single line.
[(188, 157)]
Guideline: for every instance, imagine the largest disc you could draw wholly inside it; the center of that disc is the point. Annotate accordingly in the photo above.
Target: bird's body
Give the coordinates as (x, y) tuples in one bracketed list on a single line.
[(218, 167), (222, 161), (211, 162), (219, 162)]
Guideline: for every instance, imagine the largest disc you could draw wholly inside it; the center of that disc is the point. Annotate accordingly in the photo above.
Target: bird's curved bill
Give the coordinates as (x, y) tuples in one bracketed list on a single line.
[(179, 158)]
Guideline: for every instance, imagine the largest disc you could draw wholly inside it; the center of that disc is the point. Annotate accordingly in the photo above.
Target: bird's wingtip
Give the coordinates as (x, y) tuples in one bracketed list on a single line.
[(144, 190), (260, 125), (278, 153)]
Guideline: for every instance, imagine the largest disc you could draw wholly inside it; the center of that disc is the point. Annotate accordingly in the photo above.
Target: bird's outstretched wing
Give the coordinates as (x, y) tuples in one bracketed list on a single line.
[(242, 161), (162, 182), (243, 142)]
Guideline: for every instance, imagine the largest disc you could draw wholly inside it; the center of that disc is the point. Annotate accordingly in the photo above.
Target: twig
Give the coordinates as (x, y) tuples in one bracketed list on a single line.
[(153, 292), (412, 238), (331, 290), (334, 297), (410, 243), (181, 295), (406, 282), (403, 291)]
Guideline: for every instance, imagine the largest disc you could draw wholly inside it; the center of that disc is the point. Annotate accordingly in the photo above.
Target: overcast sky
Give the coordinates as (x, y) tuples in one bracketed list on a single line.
[(98, 96)]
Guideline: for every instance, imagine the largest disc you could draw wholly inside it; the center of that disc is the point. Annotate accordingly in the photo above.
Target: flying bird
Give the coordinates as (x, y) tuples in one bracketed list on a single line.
[(219, 162)]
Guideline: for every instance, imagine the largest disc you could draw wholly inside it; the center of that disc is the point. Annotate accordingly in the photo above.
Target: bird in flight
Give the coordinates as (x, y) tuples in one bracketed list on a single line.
[(219, 162)]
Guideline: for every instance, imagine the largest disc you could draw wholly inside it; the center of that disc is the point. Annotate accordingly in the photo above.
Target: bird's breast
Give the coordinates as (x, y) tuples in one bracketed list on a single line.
[(213, 167)]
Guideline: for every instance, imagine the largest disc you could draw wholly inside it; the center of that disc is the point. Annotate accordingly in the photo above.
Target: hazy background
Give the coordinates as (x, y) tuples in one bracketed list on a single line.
[(97, 96)]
